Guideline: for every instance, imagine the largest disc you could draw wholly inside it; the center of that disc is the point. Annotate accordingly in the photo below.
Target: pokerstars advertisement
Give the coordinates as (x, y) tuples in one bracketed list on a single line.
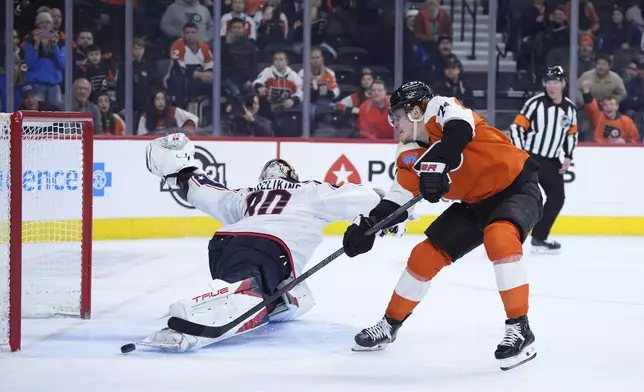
[(617, 194), (370, 164)]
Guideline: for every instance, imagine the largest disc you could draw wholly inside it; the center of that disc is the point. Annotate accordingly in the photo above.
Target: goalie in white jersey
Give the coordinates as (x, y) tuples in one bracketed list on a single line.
[(270, 232)]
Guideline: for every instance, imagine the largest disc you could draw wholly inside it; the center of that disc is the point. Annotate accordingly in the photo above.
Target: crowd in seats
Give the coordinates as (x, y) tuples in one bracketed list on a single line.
[(262, 86), (610, 60)]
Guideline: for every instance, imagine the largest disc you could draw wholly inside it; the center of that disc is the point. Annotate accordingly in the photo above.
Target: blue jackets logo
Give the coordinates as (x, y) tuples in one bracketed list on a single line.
[(215, 171), (101, 179), (60, 180)]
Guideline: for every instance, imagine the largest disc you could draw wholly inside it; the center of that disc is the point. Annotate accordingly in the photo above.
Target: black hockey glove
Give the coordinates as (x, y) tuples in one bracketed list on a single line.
[(434, 180), (355, 241)]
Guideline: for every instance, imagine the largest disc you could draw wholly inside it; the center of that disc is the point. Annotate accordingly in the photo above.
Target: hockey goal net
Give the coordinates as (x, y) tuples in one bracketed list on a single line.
[(46, 172)]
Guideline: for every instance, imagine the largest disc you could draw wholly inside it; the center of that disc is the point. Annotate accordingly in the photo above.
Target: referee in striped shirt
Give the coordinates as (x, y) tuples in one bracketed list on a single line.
[(546, 125)]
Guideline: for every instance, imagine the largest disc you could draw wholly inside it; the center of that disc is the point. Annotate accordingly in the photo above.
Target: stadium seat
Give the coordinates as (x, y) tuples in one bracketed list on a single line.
[(353, 55), (383, 73), (288, 123), (345, 74), (296, 67), (261, 66), (162, 66)]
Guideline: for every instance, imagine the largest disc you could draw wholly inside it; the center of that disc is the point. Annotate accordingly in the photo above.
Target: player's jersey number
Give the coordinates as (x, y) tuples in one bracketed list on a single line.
[(270, 202)]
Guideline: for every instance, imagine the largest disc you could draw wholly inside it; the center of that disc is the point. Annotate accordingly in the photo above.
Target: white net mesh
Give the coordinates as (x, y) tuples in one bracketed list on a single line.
[(52, 202)]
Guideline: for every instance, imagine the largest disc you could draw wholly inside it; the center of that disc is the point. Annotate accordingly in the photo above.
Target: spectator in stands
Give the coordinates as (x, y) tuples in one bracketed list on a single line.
[(18, 80), (631, 72), (634, 101), (56, 21), (604, 82), (414, 54), (161, 116), (84, 40), (351, 103), (29, 100), (82, 90), (617, 34), (432, 23), (634, 15), (324, 85), (183, 12), (533, 20), (100, 69), (190, 74), (610, 126), (145, 78), (16, 44), (246, 121), (278, 86), (271, 23), (44, 55), (373, 120), (319, 23), (444, 57), (557, 34), (453, 85), (57, 17), (238, 13), (111, 122), (586, 58), (239, 59), (588, 19)]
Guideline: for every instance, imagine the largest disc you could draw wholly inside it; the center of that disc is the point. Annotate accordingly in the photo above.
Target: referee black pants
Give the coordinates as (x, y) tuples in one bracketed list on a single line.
[(553, 185)]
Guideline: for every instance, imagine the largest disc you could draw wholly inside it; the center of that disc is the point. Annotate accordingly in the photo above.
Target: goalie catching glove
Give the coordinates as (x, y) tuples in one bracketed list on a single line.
[(167, 156)]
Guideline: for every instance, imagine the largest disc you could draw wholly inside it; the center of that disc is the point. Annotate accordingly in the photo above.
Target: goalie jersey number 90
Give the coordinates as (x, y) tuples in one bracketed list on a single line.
[(271, 202)]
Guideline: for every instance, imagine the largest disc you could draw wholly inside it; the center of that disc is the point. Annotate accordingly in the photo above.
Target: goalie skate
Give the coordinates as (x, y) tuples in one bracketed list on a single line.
[(223, 303)]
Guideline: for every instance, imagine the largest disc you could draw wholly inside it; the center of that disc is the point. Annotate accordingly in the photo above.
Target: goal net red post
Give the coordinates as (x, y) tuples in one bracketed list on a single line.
[(46, 172)]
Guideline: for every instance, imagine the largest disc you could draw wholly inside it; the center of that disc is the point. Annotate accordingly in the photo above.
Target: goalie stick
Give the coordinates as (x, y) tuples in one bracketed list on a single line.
[(190, 328)]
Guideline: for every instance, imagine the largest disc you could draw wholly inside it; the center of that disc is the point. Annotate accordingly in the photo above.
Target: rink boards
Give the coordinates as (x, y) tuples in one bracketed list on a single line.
[(604, 188)]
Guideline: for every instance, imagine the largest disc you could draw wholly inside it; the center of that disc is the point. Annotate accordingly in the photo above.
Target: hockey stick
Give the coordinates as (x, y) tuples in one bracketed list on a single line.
[(190, 328)]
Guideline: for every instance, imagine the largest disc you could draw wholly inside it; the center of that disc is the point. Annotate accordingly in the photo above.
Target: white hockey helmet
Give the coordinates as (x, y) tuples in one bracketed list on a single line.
[(278, 168)]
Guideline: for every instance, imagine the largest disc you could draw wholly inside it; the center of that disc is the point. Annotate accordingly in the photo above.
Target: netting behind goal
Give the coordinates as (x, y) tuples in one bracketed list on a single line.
[(51, 193)]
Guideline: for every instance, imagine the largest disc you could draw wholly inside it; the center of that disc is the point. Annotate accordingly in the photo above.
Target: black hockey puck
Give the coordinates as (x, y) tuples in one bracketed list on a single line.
[(128, 348)]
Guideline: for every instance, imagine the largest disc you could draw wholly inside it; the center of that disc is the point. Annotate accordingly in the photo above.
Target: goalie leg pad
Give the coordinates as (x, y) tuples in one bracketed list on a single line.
[(293, 304), (221, 303)]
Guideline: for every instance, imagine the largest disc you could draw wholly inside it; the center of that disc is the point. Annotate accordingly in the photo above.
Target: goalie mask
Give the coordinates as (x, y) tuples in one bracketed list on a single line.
[(278, 168)]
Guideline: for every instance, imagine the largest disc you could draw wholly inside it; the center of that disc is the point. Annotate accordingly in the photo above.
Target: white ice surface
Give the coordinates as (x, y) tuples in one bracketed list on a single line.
[(587, 312)]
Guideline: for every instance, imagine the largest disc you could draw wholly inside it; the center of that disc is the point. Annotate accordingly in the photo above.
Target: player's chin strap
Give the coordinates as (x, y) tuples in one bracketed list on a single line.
[(415, 124), (207, 331)]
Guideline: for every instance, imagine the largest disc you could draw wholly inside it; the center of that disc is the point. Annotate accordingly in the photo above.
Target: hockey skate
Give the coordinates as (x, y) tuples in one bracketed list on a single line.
[(545, 247), (221, 304), (517, 347), (377, 337)]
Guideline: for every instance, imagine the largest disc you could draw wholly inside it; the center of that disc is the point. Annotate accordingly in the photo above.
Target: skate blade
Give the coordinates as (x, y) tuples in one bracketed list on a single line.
[(542, 251), (527, 354), (379, 347)]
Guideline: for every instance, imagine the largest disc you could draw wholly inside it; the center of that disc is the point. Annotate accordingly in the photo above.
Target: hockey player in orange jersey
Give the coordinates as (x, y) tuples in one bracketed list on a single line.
[(446, 150)]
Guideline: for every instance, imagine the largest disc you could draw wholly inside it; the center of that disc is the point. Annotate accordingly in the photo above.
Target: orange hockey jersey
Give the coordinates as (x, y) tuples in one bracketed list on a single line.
[(606, 131), (489, 163), (181, 53)]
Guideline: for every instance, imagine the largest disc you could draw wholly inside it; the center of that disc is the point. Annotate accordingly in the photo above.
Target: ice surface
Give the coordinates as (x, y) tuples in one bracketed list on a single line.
[(587, 312)]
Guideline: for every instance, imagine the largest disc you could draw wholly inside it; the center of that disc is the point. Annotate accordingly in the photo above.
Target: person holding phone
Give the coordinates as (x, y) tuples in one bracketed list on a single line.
[(44, 54)]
